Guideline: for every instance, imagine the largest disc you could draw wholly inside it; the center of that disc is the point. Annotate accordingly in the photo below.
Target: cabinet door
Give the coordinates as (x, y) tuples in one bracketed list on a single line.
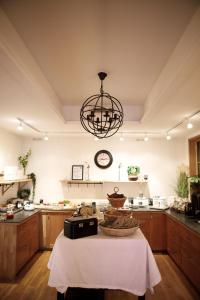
[(173, 240), (144, 223), (158, 231), (34, 236), (53, 224), (190, 255), (27, 240)]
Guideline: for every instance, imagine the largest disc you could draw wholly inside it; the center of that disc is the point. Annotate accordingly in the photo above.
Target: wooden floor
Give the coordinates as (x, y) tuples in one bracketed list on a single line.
[(31, 283)]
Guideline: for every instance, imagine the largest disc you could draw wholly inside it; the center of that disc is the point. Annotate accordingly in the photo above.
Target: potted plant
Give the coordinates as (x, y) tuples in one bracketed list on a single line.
[(23, 160), (23, 194), (194, 184), (133, 172), (182, 185), (182, 191)]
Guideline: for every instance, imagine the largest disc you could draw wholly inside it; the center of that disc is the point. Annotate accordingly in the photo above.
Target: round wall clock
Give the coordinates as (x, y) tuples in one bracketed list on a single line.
[(103, 159)]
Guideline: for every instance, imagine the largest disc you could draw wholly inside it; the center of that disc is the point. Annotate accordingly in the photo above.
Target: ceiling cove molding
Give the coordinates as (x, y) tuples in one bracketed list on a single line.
[(179, 68), (31, 76)]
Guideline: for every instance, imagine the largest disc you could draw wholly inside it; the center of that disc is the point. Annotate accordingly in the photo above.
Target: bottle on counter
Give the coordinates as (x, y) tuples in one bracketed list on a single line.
[(94, 207)]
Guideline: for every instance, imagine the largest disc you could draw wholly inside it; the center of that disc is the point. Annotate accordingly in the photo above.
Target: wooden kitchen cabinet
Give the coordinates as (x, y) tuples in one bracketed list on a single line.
[(173, 240), (190, 255), (143, 219), (19, 242), (51, 225), (183, 245), (27, 240), (157, 238), (153, 226)]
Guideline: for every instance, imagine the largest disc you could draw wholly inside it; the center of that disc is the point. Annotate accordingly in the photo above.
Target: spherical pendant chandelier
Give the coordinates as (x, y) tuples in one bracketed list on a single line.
[(101, 114)]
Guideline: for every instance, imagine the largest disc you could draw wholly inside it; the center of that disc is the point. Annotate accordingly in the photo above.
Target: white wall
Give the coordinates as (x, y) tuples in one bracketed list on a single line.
[(10, 148), (51, 161)]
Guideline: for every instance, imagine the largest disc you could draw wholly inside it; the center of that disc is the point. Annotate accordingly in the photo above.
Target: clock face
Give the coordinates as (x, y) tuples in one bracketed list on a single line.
[(103, 159)]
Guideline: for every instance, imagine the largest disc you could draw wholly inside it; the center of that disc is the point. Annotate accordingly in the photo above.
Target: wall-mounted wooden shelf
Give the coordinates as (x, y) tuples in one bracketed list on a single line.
[(5, 185), (125, 181), (70, 182), (81, 182)]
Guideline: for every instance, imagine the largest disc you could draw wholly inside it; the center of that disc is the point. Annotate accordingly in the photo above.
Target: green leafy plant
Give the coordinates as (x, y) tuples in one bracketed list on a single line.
[(194, 182), (194, 179), (23, 160), (23, 193), (182, 185), (133, 170), (32, 176)]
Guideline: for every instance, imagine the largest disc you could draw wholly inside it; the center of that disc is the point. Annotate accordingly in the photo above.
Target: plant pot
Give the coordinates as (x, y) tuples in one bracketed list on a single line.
[(133, 177)]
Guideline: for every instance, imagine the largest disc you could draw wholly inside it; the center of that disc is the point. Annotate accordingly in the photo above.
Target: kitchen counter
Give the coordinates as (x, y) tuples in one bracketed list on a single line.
[(21, 216), (186, 220), (59, 207)]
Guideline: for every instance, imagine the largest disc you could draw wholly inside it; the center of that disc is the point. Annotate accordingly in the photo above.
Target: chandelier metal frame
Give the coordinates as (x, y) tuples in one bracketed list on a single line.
[(101, 114)]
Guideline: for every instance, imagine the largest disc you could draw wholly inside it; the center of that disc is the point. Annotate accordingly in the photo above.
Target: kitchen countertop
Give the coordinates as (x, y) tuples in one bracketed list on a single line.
[(59, 207), (187, 221), (21, 216), (182, 218)]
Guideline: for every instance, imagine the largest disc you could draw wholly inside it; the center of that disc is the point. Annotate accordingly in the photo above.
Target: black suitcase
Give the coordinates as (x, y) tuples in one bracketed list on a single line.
[(78, 227)]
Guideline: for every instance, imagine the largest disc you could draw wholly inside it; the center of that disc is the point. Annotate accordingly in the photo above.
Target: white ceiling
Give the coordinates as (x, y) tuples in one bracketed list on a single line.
[(51, 52)]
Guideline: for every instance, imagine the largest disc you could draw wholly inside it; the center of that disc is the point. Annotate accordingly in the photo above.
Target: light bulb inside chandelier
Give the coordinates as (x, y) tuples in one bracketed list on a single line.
[(101, 114)]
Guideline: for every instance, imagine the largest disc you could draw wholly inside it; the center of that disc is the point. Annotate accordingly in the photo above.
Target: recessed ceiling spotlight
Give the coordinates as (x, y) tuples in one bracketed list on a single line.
[(20, 127), (189, 125), (146, 138)]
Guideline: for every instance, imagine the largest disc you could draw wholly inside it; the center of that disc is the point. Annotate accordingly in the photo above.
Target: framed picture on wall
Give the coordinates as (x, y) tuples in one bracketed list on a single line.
[(77, 172)]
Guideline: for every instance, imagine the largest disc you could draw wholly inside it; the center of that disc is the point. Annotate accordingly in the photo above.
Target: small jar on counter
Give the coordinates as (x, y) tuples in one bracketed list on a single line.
[(10, 214)]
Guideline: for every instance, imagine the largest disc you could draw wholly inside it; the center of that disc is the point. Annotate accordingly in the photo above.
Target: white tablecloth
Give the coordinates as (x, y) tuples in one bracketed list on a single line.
[(100, 261)]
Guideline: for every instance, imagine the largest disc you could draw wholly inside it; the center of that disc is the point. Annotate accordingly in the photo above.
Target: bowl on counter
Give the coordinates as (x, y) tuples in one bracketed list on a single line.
[(29, 206), (118, 231)]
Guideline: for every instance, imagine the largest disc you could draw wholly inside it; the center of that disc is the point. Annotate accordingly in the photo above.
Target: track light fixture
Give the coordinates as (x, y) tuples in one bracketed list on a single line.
[(102, 131), (20, 127), (189, 125), (45, 138), (168, 137)]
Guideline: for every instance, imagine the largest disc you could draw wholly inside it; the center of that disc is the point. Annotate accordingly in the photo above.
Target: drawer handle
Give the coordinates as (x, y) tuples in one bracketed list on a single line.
[(91, 223), (80, 225)]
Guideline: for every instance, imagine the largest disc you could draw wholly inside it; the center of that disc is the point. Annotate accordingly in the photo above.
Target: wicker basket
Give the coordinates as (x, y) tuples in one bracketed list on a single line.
[(118, 231), (113, 215), (117, 202)]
